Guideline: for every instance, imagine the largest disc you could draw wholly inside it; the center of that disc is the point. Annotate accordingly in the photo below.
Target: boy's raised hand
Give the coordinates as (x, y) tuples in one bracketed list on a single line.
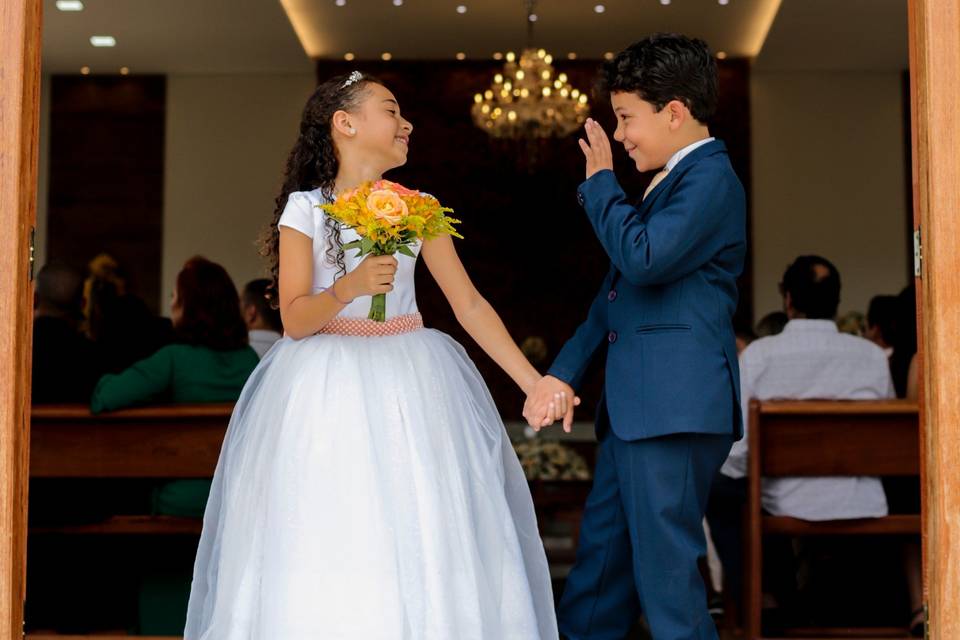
[(596, 148)]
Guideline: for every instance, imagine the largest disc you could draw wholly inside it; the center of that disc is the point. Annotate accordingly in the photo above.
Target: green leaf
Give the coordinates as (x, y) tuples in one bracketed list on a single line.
[(356, 244), (405, 250), (366, 245)]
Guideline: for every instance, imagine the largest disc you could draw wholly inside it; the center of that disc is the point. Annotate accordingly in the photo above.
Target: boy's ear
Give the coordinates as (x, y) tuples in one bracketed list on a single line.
[(678, 112)]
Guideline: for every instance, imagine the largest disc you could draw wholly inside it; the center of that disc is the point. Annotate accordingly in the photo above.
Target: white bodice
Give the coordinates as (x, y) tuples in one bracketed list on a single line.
[(303, 214)]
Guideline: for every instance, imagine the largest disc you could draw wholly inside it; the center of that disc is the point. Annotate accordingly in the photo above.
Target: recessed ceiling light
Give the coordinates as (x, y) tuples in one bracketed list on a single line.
[(341, 3), (599, 8), (386, 55), (721, 55), (69, 5), (398, 3), (664, 2), (608, 55), (571, 56), (85, 70), (462, 8), (461, 56), (498, 56), (724, 2), (103, 41), (348, 56), (124, 71), (533, 17)]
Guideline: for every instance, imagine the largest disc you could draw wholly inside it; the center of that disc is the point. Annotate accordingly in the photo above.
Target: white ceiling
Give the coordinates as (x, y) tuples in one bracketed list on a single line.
[(257, 36)]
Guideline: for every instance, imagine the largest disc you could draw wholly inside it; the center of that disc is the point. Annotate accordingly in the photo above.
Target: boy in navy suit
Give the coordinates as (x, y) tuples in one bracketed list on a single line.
[(670, 408)]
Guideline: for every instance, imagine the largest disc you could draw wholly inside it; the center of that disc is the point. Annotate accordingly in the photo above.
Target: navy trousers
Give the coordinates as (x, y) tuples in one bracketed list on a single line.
[(641, 538)]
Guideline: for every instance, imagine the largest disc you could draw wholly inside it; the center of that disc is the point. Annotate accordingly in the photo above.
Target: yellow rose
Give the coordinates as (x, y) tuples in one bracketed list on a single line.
[(387, 206)]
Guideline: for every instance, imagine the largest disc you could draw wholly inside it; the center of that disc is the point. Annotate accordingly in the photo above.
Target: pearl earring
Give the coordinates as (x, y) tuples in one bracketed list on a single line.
[(352, 130)]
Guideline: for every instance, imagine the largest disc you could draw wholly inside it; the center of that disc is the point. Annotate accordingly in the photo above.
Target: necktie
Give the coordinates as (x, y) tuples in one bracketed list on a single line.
[(656, 180)]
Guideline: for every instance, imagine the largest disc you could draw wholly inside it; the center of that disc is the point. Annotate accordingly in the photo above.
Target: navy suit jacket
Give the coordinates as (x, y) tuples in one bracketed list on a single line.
[(665, 308)]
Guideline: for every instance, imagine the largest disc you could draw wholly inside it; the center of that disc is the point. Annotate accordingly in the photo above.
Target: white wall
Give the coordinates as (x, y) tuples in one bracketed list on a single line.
[(829, 178), (227, 137)]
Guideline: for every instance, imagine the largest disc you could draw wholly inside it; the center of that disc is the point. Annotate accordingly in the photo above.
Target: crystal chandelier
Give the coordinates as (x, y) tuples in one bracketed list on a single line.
[(528, 99)]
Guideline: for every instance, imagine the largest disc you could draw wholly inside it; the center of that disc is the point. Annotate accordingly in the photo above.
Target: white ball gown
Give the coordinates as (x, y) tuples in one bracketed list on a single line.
[(366, 489)]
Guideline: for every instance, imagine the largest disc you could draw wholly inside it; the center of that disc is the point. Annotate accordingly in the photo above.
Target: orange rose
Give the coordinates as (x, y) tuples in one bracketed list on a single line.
[(386, 205), (396, 187)]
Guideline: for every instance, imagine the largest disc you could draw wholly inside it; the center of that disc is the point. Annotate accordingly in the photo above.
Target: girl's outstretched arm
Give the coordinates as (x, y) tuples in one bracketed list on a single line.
[(480, 320)]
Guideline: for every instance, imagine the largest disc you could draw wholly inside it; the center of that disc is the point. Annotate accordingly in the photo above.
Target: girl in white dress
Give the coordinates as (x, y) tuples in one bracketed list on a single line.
[(366, 488)]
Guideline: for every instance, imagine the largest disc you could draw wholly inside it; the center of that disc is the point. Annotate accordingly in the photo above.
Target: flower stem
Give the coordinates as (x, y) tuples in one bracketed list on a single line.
[(378, 308)]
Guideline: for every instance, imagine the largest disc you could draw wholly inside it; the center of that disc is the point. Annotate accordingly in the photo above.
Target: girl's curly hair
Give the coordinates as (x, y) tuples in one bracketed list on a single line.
[(313, 164)]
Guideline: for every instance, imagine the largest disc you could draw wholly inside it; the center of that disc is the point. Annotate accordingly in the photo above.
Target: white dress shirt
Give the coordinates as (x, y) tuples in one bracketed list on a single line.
[(679, 155), (262, 339), (810, 360)]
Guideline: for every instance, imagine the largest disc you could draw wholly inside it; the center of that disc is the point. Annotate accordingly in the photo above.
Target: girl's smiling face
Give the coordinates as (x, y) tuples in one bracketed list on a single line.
[(380, 131)]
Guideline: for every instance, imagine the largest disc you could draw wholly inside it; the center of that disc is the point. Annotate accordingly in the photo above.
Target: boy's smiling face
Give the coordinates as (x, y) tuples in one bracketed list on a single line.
[(646, 134)]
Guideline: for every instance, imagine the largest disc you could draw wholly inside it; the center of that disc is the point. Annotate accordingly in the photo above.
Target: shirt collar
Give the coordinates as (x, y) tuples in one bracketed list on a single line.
[(679, 155), (804, 324)]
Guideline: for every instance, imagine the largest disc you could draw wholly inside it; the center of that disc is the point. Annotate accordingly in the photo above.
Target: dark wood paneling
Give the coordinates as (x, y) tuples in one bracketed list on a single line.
[(106, 174)]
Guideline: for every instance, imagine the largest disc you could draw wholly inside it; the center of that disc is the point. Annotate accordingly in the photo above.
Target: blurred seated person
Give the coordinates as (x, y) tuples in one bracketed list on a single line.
[(118, 322), (263, 321), (771, 324), (65, 365), (809, 359), (209, 361), (881, 320)]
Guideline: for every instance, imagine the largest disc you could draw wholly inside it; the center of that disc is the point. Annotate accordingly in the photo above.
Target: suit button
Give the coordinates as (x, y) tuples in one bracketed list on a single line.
[(612, 295), (580, 198), (612, 337)]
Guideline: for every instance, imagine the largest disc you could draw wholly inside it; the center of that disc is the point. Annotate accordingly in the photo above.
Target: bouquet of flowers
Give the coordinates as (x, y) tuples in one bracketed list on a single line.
[(389, 218)]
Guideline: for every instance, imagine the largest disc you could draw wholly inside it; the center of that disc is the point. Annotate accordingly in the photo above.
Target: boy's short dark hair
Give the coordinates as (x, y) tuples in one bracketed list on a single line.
[(814, 287), (665, 67)]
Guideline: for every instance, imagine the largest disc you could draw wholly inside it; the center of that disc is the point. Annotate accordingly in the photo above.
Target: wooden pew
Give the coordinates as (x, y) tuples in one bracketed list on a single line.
[(825, 438), (173, 441)]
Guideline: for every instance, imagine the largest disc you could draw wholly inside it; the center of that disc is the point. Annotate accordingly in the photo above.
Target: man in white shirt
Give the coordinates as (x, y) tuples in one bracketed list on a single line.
[(263, 322), (810, 359)]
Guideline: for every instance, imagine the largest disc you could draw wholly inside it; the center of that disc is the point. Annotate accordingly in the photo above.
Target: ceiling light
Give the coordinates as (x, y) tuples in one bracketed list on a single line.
[(532, 17), (664, 2), (498, 56), (85, 70), (341, 3), (386, 56), (599, 8), (348, 56), (571, 56), (103, 41), (724, 2), (69, 5), (608, 55), (721, 55), (124, 71), (398, 3), (462, 8), (461, 56)]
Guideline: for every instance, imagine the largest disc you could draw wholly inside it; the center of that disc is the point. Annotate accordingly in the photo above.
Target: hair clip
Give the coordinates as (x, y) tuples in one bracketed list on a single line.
[(356, 76)]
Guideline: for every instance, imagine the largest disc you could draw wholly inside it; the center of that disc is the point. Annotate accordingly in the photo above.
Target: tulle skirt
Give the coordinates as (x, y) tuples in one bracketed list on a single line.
[(367, 489)]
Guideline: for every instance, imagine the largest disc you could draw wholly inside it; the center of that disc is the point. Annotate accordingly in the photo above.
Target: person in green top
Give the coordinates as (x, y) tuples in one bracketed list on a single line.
[(209, 361)]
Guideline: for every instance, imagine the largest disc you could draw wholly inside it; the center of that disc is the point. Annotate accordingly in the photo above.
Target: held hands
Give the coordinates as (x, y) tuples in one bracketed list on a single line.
[(549, 400), (596, 148), (374, 275)]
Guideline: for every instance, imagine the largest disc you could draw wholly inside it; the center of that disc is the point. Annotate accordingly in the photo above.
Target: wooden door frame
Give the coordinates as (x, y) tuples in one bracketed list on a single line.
[(934, 27), (935, 83), (19, 142)]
